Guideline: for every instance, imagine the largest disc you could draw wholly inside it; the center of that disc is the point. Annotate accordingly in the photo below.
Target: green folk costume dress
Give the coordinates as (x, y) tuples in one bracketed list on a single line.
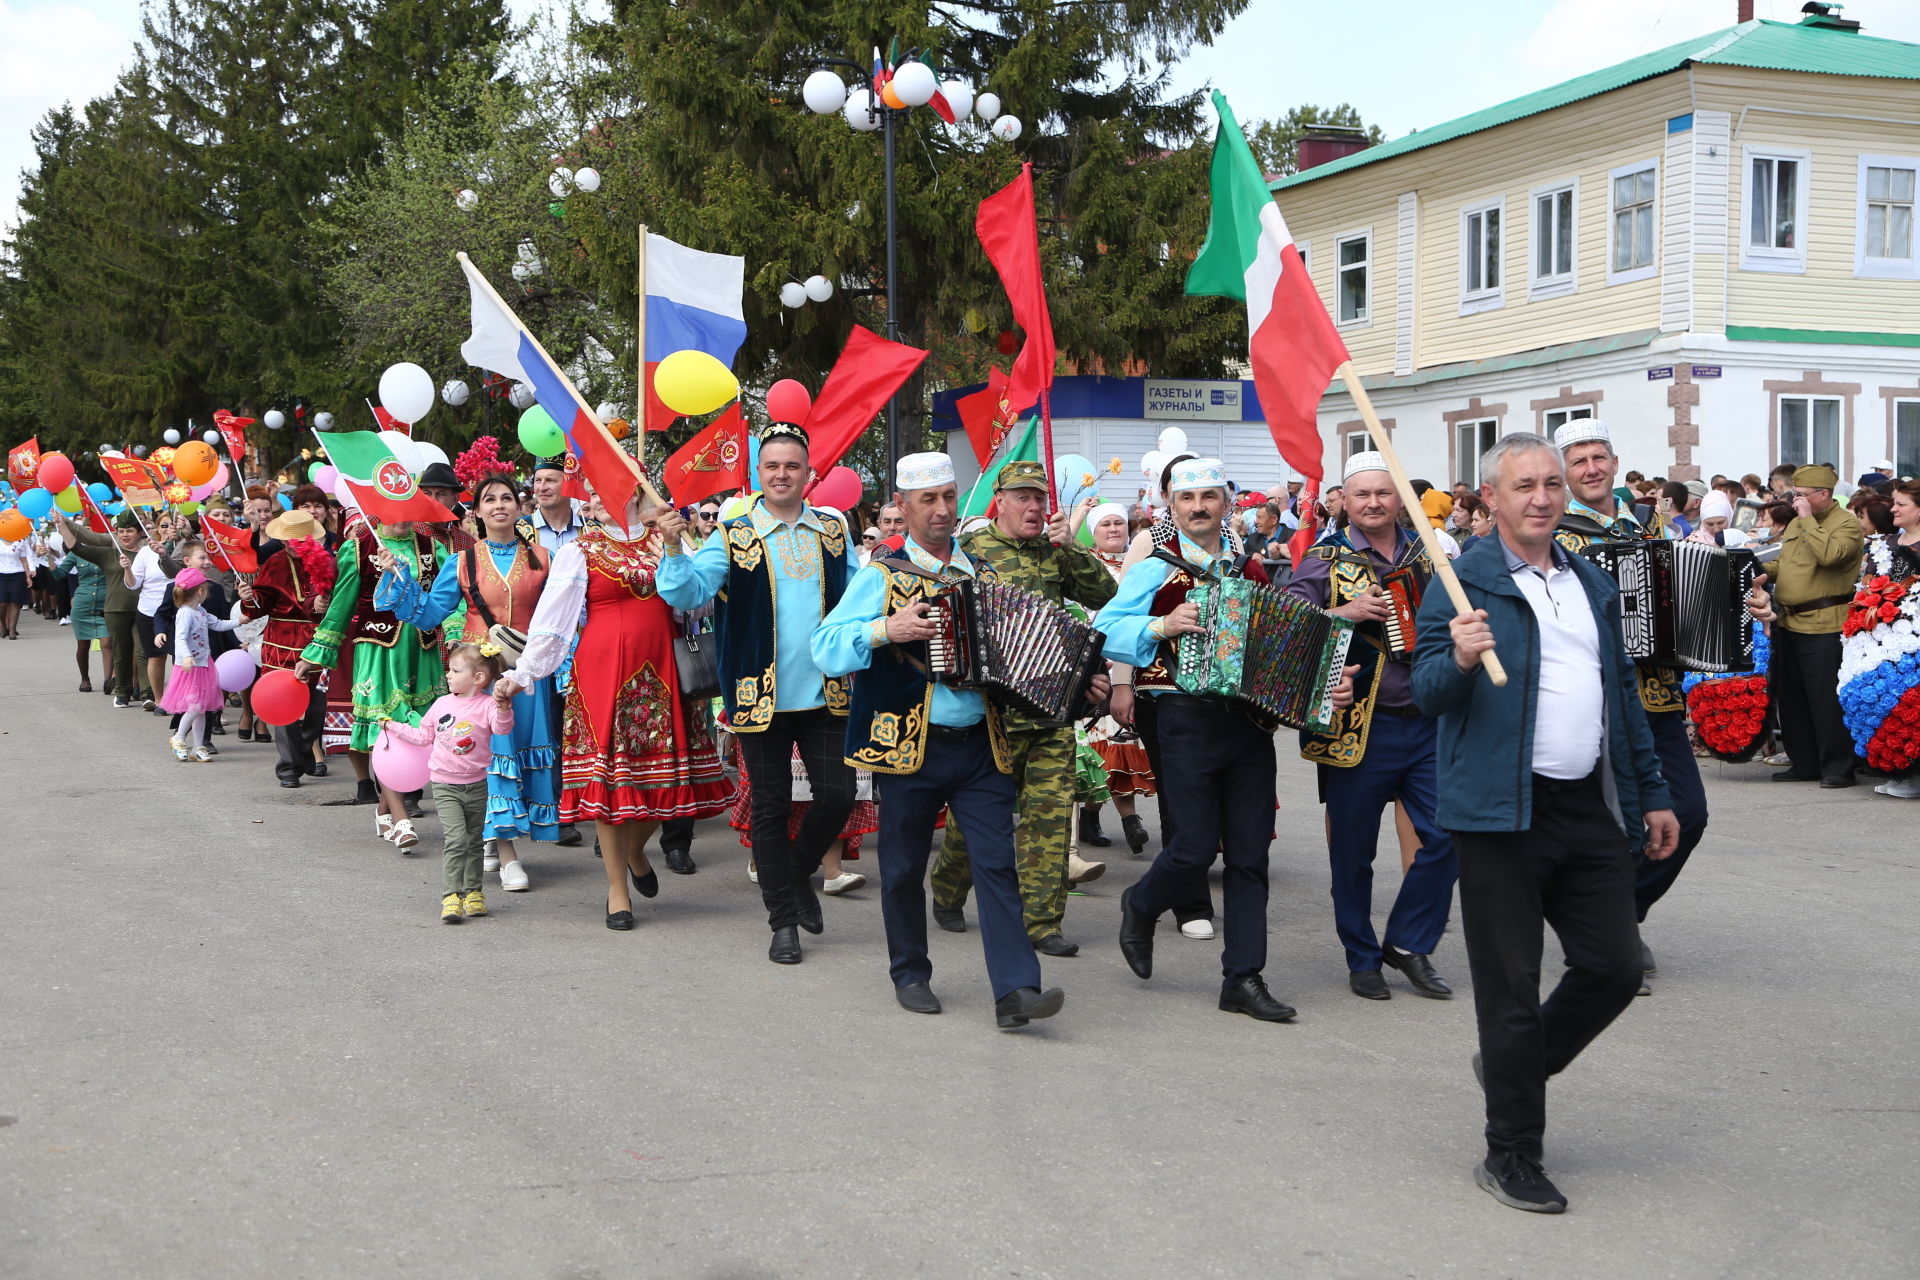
[(396, 666)]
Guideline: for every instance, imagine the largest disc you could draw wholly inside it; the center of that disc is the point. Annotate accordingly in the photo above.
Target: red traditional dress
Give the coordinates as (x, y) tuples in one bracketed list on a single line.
[(633, 749)]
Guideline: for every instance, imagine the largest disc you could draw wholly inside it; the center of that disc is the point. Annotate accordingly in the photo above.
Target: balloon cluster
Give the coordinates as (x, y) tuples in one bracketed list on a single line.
[(1171, 444), (911, 82)]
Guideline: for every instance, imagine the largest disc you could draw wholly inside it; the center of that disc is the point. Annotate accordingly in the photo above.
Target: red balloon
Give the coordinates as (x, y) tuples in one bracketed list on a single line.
[(839, 489), (788, 401), (1008, 344), (279, 697), (55, 473)]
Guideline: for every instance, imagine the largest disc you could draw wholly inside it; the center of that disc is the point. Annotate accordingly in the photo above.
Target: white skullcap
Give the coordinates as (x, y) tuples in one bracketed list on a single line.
[(1366, 460), (1716, 506), (1198, 473), (923, 471), (1105, 509), (1580, 431)]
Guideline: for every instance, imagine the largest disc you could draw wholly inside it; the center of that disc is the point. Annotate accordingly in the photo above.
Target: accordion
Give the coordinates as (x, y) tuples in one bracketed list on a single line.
[(1403, 589), (1682, 604), (1016, 645), (1263, 647)]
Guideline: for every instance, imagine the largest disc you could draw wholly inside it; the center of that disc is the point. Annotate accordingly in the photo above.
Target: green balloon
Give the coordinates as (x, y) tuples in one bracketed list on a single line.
[(540, 435)]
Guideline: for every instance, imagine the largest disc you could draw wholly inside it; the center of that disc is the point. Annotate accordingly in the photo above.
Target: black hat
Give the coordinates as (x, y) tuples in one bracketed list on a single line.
[(791, 430), (439, 475)]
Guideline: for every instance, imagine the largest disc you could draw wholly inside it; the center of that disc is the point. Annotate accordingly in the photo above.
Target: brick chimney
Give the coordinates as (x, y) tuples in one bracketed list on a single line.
[(1323, 143), (1745, 11)]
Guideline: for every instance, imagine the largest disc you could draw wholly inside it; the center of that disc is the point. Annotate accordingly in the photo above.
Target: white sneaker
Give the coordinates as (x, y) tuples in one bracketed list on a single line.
[(66, 622), (202, 754), (1902, 789), (844, 881), (489, 857), (753, 873), (1200, 929), (403, 836), (513, 877), (178, 747)]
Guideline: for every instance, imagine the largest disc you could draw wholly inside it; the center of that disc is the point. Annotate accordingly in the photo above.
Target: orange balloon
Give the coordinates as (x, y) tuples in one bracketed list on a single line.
[(892, 99), (14, 527), (619, 429), (195, 462)]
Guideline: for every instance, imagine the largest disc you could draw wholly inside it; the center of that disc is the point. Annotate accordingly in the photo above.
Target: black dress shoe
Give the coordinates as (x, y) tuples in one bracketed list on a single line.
[(1419, 972), (1788, 775), (680, 862), (1056, 945), (289, 782), (318, 769), (620, 920), (1136, 938), (1369, 984), (364, 792), (786, 945), (1836, 784), (1022, 1005), (569, 838), (809, 903), (245, 735), (1251, 997), (917, 997), (950, 919), (648, 884)]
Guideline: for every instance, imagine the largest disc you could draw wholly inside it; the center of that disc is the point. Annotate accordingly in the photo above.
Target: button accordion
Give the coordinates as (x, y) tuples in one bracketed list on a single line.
[(1682, 604), (1402, 588), (1260, 646), (1016, 645)]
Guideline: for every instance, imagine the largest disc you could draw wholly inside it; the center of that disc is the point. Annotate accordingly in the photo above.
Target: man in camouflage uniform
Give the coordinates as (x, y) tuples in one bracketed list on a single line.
[(1026, 549), (1593, 515)]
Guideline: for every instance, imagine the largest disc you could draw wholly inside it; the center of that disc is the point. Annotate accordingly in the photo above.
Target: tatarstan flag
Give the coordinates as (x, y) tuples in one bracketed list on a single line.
[(1249, 254), (381, 483)]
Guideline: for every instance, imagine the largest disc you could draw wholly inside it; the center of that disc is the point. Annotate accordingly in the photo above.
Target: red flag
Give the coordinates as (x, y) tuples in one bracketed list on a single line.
[(984, 414), (659, 417), (1009, 231), (23, 463), (712, 462), (614, 475), (868, 371), (233, 545), (234, 431), (388, 422), (96, 518), (134, 479)]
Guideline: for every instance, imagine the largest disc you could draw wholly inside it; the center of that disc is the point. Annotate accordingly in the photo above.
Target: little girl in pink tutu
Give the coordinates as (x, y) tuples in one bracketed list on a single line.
[(193, 691)]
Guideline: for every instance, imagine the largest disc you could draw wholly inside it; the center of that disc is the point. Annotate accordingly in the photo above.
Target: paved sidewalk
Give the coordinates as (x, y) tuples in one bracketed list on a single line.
[(235, 1041)]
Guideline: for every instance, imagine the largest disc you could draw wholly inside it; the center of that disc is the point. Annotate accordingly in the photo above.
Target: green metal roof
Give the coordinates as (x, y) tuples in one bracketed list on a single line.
[(1770, 46)]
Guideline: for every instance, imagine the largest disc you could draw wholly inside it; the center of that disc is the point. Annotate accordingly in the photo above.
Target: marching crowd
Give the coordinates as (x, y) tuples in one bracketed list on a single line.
[(562, 665)]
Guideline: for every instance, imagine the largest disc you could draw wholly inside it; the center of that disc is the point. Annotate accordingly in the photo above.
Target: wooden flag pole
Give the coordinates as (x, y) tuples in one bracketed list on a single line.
[(1442, 566), (640, 355)]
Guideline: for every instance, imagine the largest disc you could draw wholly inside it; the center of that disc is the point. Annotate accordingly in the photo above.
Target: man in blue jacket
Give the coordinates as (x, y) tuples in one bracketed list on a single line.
[(1548, 785)]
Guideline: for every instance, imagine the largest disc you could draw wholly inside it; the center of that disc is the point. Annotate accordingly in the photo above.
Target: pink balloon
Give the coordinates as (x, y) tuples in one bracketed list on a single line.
[(399, 765), (324, 476), (839, 489), (788, 401), (218, 482)]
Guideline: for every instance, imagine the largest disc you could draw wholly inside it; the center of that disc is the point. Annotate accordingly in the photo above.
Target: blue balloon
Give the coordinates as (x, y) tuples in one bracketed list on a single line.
[(286, 503), (99, 492), (35, 504)]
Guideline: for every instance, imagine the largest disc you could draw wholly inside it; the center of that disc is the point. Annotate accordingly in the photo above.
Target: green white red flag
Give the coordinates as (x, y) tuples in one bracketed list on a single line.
[(380, 482)]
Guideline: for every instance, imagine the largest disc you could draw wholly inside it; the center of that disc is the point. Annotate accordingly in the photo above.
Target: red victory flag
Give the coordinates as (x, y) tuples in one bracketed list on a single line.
[(233, 546), (714, 461), (134, 479), (984, 414), (233, 430), (868, 371), (1009, 231), (23, 463), (96, 518)]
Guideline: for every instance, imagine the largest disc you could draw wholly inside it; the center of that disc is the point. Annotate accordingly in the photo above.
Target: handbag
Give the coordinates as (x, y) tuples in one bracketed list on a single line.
[(697, 665)]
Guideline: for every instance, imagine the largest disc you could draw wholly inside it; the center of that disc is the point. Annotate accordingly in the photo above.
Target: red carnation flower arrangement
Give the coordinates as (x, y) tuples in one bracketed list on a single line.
[(1730, 715), (482, 460)]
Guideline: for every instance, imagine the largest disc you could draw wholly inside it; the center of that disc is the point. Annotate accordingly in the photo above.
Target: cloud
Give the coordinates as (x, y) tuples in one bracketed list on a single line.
[(52, 53)]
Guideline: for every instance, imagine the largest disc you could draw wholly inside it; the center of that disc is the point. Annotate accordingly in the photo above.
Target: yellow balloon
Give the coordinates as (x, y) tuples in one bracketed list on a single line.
[(68, 500), (693, 382)]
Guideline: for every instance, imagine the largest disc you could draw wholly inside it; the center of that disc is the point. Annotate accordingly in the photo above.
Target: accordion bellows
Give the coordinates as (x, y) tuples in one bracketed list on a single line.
[(1682, 604), (1264, 647), (1015, 644)]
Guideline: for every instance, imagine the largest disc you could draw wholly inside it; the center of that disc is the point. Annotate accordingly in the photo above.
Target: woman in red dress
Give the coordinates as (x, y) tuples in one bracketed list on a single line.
[(634, 754)]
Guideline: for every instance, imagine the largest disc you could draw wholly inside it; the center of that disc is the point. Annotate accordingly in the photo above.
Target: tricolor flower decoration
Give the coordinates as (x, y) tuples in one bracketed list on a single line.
[(1729, 711), (1880, 663)]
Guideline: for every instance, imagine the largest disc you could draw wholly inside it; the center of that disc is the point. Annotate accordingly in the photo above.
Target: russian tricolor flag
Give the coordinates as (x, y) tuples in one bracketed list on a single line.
[(693, 304)]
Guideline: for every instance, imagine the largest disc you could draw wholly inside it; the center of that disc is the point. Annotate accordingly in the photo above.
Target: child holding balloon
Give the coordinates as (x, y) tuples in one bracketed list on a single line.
[(458, 729), (193, 691)]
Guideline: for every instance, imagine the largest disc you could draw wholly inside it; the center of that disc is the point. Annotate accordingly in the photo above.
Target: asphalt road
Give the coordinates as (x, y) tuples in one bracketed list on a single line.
[(235, 1041)]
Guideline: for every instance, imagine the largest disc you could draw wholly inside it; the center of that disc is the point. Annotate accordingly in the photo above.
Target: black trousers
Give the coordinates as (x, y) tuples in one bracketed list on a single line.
[(1219, 802), (293, 742), (1805, 678), (784, 864), (1571, 870), (1195, 902), (1652, 879)]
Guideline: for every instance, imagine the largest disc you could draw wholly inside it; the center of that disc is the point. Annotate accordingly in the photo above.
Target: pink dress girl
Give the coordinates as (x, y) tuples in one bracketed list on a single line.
[(193, 690)]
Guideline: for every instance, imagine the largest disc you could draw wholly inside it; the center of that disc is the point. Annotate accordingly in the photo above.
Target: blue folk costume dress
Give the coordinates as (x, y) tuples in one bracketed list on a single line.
[(497, 583)]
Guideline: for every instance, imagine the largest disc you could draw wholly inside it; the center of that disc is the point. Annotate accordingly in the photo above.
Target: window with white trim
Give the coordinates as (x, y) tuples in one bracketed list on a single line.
[(1554, 244), (1306, 255), (1480, 274), (1357, 442), (1774, 217), (1633, 200), (1906, 437), (1471, 441), (1884, 227), (1809, 429), (1353, 284), (1558, 418)]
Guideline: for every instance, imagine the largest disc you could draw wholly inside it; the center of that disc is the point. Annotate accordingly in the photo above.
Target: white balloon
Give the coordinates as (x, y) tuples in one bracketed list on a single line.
[(274, 419), (112, 453), (824, 93), (466, 200), (401, 445), (959, 96), (406, 391), (454, 393), (1152, 465), (793, 294), (587, 180), (521, 272), (521, 396), (818, 288), (859, 111), (606, 411), (915, 84), (170, 436), (430, 453), (1007, 128), (560, 181), (211, 437), (1172, 440), (323, 422), (987, 107)]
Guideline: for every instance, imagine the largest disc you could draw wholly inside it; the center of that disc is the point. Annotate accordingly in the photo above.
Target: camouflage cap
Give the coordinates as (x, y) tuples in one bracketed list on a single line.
[(1021, 474)]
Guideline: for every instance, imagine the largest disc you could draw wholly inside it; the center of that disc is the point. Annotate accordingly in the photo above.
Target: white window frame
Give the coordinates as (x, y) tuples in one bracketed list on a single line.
[(1894, 452), (1765, 257), (1907, 268), (1814, 452), (1553, 284), (1467, 465), (1567, 413), (1487, 297), (1306, 255), (1652, 268), (1365, 319), (1355, 442)]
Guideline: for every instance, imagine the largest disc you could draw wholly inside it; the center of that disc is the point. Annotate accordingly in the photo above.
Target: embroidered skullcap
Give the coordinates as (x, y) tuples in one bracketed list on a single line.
[(1365, 460), (923, 471), (789, 430), (549, 464), (1198, 473), (1813, 476), (1581, 431), (1101, 512), (1716, 506)]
